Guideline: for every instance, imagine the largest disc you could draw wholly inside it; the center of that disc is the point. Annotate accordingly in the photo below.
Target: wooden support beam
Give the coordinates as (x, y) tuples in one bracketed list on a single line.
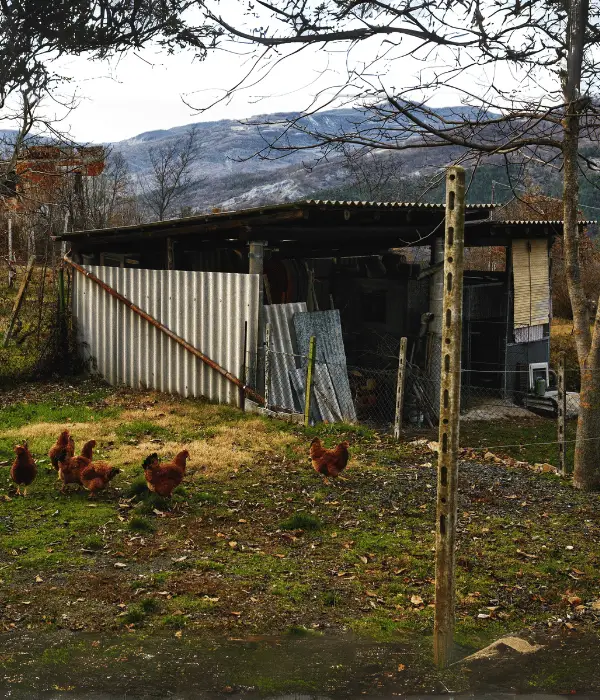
[(267, 391), (310, 371), (450, 380), (19, 301), (170, 254), (400, 384), (256, 256), (562, 415)]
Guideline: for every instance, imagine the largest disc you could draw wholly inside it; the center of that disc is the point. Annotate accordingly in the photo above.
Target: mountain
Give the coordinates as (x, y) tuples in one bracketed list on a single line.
[(236, 169)]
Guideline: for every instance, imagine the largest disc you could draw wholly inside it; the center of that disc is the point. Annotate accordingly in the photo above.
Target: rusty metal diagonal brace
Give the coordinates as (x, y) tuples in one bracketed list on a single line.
[(157, 324)]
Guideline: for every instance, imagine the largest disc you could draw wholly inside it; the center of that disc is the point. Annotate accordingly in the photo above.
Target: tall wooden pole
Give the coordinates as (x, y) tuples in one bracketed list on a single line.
[(562, 415), (18, 301), (267, 364), (310, 371), (11, 256), (400, 384), (450, 380)]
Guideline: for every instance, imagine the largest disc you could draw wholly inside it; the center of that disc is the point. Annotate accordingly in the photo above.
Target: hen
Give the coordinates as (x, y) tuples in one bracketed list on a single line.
[(96, 476), (64, 442), (69, 467), (329, 462), (24, 468), (163, 478)]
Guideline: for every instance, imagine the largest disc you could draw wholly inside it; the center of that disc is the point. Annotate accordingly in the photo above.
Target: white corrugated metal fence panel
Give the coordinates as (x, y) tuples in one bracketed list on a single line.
[(207, 309), (531, 282)]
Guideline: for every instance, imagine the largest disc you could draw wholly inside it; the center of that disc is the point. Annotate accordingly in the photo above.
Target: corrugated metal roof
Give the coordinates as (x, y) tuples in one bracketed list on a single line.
[(266, 210), (388, 205), (558, 222), (207, 309)]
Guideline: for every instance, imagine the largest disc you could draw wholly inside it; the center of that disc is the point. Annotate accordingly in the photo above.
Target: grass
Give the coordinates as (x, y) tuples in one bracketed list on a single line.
[(254, 543), (140, 524), (531, 440), (301, 521)]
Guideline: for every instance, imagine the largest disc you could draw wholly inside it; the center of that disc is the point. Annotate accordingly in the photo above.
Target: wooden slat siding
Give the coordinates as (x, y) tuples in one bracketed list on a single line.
[(531, 283)]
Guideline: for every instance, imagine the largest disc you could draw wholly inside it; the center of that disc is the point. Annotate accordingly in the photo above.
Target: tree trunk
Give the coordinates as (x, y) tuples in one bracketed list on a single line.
[(586, 474)]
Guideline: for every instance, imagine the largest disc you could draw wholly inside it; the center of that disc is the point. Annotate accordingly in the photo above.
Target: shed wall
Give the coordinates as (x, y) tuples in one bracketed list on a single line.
[(207, 309)]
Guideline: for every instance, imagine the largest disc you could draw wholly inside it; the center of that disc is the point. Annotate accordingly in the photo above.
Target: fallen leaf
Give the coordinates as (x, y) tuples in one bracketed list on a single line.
[(364, 559), (241, 520), (416, 600), (120, 565), (371, 594), (401, 667), (38, 579), (233, 544), (237, 614)]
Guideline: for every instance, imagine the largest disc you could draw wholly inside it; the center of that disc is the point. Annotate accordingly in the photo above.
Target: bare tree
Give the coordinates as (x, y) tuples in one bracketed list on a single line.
[(527, 75), (171, 174)]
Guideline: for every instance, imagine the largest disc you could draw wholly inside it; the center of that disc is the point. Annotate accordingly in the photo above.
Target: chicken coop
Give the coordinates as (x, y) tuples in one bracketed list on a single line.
[(358, 276)]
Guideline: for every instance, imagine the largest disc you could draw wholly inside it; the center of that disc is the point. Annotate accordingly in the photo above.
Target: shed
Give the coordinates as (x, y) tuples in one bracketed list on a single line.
[(380, 265)]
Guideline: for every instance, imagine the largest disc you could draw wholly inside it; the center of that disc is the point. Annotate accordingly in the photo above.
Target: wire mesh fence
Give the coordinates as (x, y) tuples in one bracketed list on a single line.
[(511, 412), (35, 337)]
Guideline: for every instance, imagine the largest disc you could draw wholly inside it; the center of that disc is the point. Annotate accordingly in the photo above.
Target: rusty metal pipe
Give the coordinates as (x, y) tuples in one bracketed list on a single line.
[(157, 324)]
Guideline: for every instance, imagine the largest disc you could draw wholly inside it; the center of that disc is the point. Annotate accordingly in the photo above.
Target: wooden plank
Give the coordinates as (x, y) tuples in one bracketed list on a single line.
[(562, 415), (400, 384), (19, 300), (310, 371)]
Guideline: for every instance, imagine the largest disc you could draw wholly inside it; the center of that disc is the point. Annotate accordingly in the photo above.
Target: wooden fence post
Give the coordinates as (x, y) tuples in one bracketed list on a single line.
[(310, 370), (19, 301), (11, 256), (400, 384), (244, 370), (450, 382), (562, 416), (267, 364)]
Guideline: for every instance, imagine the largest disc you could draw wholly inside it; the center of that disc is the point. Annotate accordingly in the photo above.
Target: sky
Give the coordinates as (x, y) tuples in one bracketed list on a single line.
[(148, 91)]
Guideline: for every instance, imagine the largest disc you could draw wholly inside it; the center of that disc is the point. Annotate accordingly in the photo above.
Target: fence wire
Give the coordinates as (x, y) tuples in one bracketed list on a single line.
[(500, 409), (35, 336)]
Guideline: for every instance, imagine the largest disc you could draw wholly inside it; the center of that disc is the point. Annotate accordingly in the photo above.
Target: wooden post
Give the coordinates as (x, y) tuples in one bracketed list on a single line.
[(310, 370), (562, 416), (170, 254), (19, 301), (243, 370), (267, 364), (256, 254), (400, 384), (450, 381), (11, 256), (62, 299)]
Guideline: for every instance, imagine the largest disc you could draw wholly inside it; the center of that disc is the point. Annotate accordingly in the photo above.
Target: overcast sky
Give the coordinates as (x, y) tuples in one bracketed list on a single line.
[(143, 92)]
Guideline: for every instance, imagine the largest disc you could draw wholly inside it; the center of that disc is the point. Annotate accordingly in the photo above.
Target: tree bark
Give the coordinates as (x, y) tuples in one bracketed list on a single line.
[(586, 474)]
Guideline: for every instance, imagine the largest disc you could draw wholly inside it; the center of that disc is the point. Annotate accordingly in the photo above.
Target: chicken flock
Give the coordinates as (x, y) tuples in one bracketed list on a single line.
[(161, 477)]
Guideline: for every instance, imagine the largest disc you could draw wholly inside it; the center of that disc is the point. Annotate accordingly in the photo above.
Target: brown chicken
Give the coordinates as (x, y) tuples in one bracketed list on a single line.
[(329, 462), (69, 468), (64, 442), (24, 468), (163, 478), (96, 476)]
